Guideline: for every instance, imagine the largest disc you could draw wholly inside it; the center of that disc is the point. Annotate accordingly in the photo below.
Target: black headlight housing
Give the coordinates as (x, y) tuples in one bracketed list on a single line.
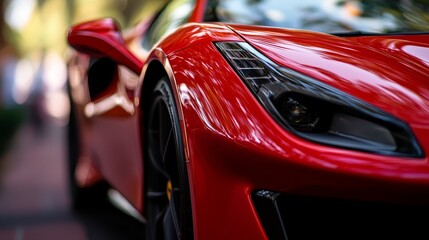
[(316, 111)]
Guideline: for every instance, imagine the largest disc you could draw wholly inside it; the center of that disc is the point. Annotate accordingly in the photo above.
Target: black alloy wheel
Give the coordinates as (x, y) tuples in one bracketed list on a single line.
[(167, 198)]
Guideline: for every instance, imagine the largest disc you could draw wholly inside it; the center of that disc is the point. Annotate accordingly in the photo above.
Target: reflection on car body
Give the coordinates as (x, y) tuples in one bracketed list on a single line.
[(257, 119)]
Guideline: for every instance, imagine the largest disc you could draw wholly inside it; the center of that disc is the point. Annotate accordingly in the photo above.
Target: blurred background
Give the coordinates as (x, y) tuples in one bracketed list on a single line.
[(34, 108), (34, 111), (33, 49)]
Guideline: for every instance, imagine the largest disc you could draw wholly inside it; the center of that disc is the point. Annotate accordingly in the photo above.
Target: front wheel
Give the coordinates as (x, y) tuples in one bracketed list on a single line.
[(167, 206)]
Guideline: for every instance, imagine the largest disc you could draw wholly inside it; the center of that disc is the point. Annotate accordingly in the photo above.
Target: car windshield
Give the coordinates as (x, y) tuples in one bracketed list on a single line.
[(330, 16)]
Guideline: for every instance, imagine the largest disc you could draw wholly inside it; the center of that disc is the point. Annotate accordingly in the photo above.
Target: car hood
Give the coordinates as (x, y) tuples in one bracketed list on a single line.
[(391, 73), (409, 48)]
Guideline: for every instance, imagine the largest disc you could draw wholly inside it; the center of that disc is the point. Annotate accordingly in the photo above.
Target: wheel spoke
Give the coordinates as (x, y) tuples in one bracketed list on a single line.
[(165, 127), (160, 133), (159, 224), (170, 230), (174, 207), (166, 210), (167, 149), (160, 128), (165, 139), (157, 165), (156, 196)]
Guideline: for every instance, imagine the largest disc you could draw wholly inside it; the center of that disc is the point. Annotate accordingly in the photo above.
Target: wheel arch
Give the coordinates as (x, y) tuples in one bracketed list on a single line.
[(155, 69)]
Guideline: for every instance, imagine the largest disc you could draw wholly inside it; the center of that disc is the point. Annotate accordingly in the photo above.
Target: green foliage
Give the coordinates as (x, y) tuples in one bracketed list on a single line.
[(10, 121)]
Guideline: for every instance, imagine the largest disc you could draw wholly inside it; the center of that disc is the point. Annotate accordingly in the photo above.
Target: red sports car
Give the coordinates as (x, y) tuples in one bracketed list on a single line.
[(257, 119)]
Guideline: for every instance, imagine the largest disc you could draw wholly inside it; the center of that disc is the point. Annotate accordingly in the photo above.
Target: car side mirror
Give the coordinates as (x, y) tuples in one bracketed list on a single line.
[(103, 38)]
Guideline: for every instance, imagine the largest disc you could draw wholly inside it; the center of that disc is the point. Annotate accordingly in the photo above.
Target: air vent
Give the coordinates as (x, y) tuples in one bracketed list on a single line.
[(249, 67)]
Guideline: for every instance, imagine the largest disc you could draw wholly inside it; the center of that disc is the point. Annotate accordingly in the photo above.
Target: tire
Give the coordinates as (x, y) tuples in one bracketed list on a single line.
[(167, 198), (81, 198)]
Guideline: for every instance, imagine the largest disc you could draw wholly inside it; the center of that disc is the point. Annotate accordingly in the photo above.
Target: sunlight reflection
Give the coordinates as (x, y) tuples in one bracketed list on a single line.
[(18, 13), (55, 76), (24, 78)]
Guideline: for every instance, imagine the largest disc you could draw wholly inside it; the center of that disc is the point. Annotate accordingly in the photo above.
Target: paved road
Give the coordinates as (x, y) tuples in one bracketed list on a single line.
[(34, 200)]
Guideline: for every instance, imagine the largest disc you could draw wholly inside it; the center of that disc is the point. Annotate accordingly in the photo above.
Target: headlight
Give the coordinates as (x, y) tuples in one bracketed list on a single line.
[(318, 112)]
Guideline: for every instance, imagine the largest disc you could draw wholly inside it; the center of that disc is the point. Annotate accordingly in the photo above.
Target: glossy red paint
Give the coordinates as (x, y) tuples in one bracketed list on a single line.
[(198, 13), (115, 146), (236, 147), (232, 125), (233, 146), (413, 47), (107, 111), (192, 34), (103, 38), (332, 60), (239, 118)]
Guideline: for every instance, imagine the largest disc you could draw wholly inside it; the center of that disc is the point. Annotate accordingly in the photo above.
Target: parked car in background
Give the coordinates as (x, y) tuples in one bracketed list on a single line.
[(264, 119)]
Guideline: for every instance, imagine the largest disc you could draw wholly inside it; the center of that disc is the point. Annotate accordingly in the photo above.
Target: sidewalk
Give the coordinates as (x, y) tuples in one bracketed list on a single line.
[(34, 202)]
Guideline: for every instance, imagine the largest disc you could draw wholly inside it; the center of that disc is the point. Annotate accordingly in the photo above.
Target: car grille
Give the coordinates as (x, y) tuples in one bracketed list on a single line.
[(299, 217)]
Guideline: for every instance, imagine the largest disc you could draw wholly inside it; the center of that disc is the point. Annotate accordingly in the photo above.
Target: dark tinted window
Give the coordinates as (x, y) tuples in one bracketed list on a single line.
[(331, 16), (176, 13)]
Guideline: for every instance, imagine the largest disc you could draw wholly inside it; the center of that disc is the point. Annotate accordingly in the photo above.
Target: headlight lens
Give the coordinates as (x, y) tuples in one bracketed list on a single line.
[(316, 111)]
